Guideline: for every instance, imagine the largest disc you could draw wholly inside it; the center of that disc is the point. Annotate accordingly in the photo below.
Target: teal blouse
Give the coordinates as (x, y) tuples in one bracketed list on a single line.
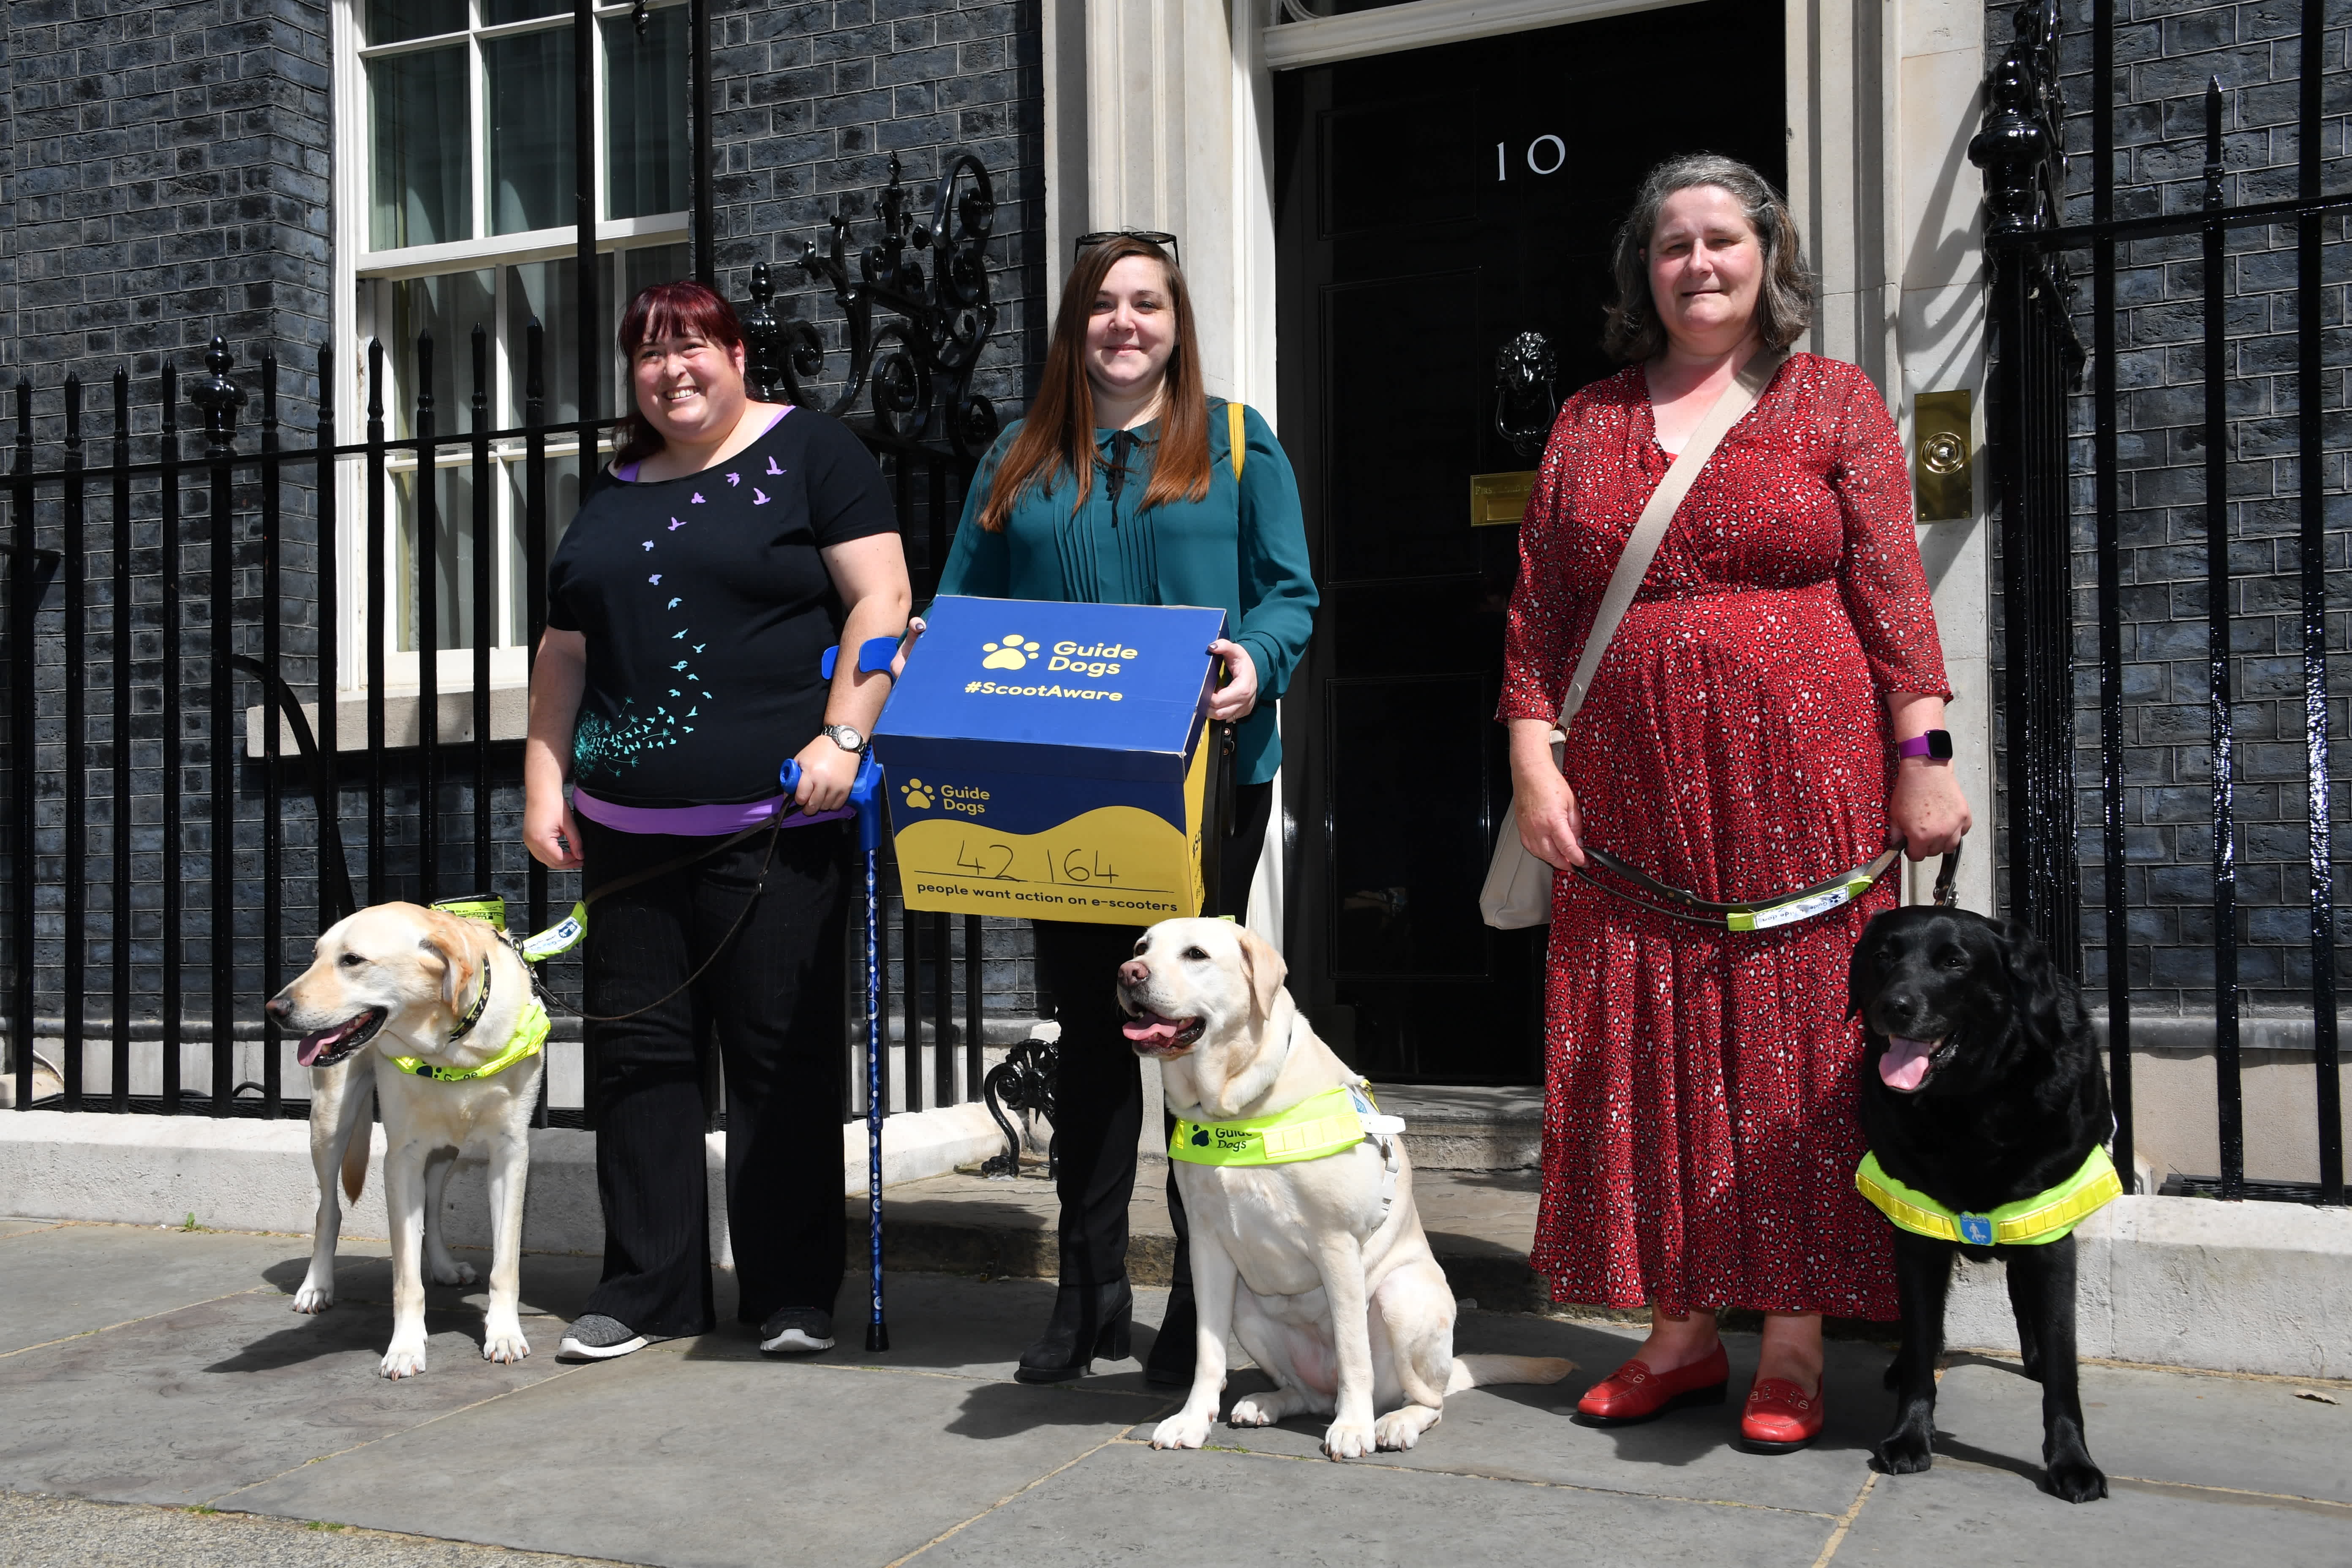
[(1242, 548)]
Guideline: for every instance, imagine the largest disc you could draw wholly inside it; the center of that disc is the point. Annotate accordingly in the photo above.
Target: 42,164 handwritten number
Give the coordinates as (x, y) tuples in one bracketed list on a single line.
[(1087, 865)]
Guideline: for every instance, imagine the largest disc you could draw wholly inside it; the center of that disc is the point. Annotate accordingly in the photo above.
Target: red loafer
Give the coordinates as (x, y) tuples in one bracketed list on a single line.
[(1635, 1394), (1781, 1417)]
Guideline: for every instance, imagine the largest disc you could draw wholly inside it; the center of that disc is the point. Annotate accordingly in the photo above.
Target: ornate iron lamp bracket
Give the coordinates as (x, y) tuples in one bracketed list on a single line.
[(2023, 146), (918, 366)]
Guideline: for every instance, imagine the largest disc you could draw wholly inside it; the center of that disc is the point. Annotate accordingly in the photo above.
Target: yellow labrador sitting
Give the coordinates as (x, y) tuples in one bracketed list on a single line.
[(450, 1000), (1316, 1261)]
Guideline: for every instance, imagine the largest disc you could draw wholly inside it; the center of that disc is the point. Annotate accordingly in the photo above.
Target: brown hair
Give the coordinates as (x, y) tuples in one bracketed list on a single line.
[(1058, 435), (1784, 301), (656, 310)]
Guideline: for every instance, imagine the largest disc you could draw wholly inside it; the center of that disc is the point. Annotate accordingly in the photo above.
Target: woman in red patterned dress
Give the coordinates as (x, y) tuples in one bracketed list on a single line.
[(1740, 741)]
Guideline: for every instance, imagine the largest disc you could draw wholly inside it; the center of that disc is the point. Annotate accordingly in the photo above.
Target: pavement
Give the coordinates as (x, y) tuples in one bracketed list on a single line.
[(158, 1401)]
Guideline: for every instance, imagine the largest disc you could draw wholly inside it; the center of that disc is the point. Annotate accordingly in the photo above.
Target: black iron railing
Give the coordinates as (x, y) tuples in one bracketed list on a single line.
[(2036, 364), (118, 895)]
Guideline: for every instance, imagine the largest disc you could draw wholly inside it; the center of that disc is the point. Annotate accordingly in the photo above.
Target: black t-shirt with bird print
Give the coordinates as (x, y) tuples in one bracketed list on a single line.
[(706, 609)]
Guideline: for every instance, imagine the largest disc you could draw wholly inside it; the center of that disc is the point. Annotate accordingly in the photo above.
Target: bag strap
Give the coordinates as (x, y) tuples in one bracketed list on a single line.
[(1237, 437), (1650, 528)]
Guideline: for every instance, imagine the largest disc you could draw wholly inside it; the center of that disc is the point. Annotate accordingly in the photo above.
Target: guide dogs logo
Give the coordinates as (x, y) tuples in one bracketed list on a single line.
[(916, 795), (1013, 653)]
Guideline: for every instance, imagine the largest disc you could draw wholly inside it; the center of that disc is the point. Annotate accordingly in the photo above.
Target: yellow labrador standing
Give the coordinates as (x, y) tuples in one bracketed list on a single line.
[(1319, 1266), (447, 994)]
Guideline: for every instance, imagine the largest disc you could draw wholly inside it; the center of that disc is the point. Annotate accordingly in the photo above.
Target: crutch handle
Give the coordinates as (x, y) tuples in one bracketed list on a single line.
[(865, 793)]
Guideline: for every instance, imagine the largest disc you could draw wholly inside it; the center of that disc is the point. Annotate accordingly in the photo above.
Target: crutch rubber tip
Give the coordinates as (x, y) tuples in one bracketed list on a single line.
[(877, 1337)]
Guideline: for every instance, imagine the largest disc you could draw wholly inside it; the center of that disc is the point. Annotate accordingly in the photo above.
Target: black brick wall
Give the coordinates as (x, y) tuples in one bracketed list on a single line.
[(165, 175), (2165, 52)]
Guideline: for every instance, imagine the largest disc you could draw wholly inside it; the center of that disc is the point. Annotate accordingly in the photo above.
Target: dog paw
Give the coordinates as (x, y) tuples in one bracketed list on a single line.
[(1904, 1454), (314, 1297), (1250, 1413), (505, 1346), (1182, 1430), (1348, 1439), (402, 1361), (452, 1272), (2077, 1481), (1401, 1429)]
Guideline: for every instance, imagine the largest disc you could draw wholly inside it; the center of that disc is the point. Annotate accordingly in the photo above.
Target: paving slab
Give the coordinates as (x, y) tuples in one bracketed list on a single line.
[(12, 1226), (38, 1533), (2154, 1426), (706, 1455), (184, 1406), (1961, 1515), (1129, 1504), (72, 1279), (1525, 1433)]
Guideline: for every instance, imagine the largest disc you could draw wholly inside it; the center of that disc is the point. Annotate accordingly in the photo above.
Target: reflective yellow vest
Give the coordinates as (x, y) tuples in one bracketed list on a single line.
[(2029, 1222)]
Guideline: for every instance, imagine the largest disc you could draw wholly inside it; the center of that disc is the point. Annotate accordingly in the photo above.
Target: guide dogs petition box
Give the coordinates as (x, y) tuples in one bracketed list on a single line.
[(1050, 760)]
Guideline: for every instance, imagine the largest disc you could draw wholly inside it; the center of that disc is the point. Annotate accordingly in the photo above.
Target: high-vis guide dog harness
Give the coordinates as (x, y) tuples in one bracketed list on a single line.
[(2029, 1222), (1316, 1127)]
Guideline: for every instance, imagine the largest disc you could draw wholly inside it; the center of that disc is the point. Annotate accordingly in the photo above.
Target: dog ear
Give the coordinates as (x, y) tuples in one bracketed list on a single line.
[(1265, 968), (2034, 983), (447, 939)]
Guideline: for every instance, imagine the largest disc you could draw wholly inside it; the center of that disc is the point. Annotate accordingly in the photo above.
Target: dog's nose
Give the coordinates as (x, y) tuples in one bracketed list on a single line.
[(277, 1008), (1134, 972)]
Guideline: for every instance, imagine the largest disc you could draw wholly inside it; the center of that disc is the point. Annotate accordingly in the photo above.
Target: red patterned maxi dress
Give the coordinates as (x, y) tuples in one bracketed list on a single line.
[(1700, 1130)]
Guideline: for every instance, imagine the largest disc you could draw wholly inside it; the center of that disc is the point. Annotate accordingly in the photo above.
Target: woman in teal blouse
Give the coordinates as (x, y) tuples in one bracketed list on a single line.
[(1122, 486)]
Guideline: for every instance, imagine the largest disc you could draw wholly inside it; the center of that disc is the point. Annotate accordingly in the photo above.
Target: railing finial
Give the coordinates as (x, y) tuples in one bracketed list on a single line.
[(219, 398)]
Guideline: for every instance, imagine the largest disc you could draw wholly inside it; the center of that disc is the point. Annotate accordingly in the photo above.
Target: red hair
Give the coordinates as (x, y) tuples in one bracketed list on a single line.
[(685, 309)]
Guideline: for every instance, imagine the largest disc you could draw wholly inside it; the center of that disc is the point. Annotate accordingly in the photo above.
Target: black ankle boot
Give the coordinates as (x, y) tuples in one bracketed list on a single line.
[(1171, 1365), (1088, 1320)]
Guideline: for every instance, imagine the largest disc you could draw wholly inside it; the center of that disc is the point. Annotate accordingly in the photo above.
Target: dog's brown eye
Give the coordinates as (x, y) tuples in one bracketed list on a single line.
[(1196, 955), (351, 960)]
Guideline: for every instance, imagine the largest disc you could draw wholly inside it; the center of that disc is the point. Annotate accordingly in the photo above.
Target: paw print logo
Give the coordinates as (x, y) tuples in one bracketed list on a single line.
[(1012, 653), (917, 797)]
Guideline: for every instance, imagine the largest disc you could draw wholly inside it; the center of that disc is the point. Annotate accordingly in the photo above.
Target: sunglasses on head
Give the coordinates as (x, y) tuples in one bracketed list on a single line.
[(1150, 236)]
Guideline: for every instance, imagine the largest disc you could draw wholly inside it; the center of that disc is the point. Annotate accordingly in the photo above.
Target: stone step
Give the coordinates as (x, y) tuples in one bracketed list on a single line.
[(1456, 1128), (1479, 1225)]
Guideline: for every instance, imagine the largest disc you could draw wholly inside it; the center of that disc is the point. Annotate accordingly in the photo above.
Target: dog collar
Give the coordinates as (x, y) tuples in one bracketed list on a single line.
[(2046, 1217), (474, 1014), (528, 1040), (1318, 1127)]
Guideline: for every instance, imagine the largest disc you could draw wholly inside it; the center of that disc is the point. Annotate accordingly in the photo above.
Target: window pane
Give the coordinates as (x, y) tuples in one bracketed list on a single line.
[(529, 87), (563, 502), (495, 12), (390, 21), (449, 307), (424, 192), (644, 125), (544, 289), (453, 559), (650, 264)]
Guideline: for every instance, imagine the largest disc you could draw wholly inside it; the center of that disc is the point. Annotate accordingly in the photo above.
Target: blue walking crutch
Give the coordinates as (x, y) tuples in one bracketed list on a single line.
[(866, 794)]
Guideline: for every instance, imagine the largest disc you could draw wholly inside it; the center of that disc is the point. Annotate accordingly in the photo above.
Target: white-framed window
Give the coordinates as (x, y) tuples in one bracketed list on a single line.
[(454, 168)]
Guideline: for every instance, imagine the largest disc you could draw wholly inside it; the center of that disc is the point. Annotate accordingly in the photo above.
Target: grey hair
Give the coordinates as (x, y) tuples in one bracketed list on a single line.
[(1784, 303)]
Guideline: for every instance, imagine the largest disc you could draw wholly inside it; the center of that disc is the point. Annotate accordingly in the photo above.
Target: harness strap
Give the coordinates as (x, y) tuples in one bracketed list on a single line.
[(528, 1040), (1236, 434), (2044, 1217)]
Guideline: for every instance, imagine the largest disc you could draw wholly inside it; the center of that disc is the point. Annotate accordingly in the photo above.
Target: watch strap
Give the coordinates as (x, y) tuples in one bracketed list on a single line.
[(1935, 745)]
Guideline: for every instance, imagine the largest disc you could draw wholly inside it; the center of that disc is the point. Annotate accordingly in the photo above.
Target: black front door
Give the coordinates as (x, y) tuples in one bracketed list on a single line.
[(1431, 206)]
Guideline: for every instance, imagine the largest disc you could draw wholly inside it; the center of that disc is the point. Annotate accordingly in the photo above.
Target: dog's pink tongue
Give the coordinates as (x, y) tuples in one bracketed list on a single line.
[(1905, 1064), (314, 1046), (1151, 1029)]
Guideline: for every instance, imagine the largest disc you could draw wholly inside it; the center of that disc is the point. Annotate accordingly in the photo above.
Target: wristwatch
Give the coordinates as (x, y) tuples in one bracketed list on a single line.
[(1935, 745), (848, 738)]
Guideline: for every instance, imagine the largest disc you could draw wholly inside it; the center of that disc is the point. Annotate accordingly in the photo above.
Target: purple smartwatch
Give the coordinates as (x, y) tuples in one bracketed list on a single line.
[(1935, 745)]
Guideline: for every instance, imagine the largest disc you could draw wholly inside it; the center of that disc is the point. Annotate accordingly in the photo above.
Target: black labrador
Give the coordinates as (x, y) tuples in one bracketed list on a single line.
[(1980, 1086)]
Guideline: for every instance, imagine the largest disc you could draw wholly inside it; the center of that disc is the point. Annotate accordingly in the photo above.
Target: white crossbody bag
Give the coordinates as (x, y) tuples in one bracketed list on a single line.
[(1518, 886)]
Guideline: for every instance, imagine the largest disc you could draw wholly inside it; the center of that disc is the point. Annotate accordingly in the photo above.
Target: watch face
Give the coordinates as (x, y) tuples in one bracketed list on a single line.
[(1940, 745)]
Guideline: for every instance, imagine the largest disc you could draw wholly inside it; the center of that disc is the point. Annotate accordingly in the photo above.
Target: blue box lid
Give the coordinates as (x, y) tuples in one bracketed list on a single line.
[(1027, 686)]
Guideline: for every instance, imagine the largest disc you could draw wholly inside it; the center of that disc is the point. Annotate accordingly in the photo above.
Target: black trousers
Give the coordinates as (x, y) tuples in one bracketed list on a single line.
[(1098, 1080), (772, 1001)]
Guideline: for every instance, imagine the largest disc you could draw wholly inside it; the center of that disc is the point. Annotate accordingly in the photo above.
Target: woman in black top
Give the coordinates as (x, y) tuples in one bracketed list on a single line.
[(688, 607)]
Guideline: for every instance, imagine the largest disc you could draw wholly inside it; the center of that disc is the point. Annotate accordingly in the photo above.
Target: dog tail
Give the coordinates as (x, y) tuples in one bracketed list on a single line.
[(1486, 1370), (355, 1153)]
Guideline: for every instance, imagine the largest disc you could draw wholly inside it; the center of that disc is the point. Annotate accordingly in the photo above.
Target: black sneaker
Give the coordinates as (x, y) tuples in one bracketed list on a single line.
[(595, 1337), (796, 1330)]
